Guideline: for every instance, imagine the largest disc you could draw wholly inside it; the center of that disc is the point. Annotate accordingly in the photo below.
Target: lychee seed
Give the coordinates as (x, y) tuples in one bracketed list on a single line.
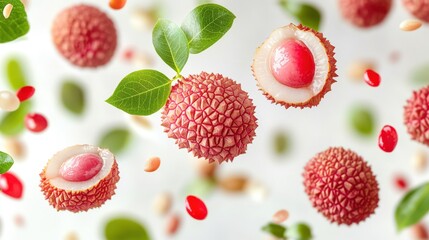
[(211, 116), (341, 186), (292, 64), (85, 36)]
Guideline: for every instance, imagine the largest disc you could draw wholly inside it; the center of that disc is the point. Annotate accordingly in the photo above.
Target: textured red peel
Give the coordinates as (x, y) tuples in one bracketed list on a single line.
[(211, 116), (416, 117), (419, 8), (341, 186), (365, 13)]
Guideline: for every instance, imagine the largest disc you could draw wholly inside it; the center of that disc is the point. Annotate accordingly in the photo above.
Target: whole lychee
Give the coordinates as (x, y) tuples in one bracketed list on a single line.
[(79, 178), (419, 8), (341, 186), (365, 13), (295, 66), (211, 116), (416, 117), (84, 35)]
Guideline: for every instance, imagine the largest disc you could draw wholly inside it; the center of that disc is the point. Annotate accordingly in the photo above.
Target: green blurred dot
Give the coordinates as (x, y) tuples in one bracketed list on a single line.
[(281, 143), (125, 229), (362, 120)]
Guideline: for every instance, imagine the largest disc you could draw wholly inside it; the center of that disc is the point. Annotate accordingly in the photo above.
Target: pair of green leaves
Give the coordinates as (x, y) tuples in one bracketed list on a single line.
[(413, 207), (16, 25), (146, 91), (298, 231), (308, 15)]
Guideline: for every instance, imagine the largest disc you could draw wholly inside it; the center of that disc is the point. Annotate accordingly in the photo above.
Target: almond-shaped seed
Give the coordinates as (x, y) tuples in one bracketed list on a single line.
[(419, 232), (410, 25), (233, 183), (162, 203), (71, 236), (206, 169), (141, 121), (280, 216), (152, 164), (173, 224), (15, 148), (7, 10), (419, 161)]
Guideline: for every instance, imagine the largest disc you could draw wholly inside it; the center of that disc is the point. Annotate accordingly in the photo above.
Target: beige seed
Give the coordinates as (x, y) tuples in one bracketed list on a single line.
[(280, 216), (257, 191), (233, 183), (206, 169), (71, 236), (419, 161), (141, 121), (410, 25), (8, 101), (419, 232), (7, 10), (15, 148), (357, 69), (173, 223), (162, 203), (152, 164)]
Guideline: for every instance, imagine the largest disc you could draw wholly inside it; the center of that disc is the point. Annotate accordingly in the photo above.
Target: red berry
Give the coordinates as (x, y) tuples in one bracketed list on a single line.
[(401, 183), (35, 122), (388, 138), (117, 4), (128, 54), (25, 93), (372, 78), (11, 185), (196, 207)]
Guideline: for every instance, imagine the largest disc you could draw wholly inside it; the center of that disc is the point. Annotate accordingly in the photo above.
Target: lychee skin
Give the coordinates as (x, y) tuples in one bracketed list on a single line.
[(211, 116), (416, 117), (365, 13), (341, 186), (85, 36), (419, 8), (78, 201)]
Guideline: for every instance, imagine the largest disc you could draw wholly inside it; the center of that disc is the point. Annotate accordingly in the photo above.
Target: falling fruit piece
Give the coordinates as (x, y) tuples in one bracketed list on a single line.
[(365, 13), (196, 207), (419, 232), (401, 183), (173, 224), (419, 161), (152, 164), (162, 203), (25, 93), (15, 148), (388, 138), (372, 78), (280, 216), (8, 101), (415, 117), (418, 8), (233, 183), (36, 122), (11, 185), (356, 70), (117, 4), (410, 25), (295, 66), (76, 173)]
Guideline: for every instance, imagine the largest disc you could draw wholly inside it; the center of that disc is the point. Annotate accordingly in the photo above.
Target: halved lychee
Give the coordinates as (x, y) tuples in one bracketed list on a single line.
[(79, 178), (295, 66)]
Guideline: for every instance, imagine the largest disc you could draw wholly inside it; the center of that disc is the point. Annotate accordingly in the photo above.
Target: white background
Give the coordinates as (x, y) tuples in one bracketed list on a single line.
[(230, 217)]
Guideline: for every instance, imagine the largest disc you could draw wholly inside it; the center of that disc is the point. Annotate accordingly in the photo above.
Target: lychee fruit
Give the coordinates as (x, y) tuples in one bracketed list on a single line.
[(85, 36), (341, 186), (211, 116), (79, 178), (416, 117), (295, 66), (419, 8), (365, 13)]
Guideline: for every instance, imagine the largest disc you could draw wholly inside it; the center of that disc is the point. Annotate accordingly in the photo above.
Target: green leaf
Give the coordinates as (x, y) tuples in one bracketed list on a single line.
[(413, 207), (420, 75), (362, 120), (125, 229), (308, 15), (299, 231), (142, 92), (16, 25), (171, 44), (205, 25), (275, 229), (15, 74), (73, 97), (201, 187), (13, 122), (6, 162), (281, 143), (116, 139)]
